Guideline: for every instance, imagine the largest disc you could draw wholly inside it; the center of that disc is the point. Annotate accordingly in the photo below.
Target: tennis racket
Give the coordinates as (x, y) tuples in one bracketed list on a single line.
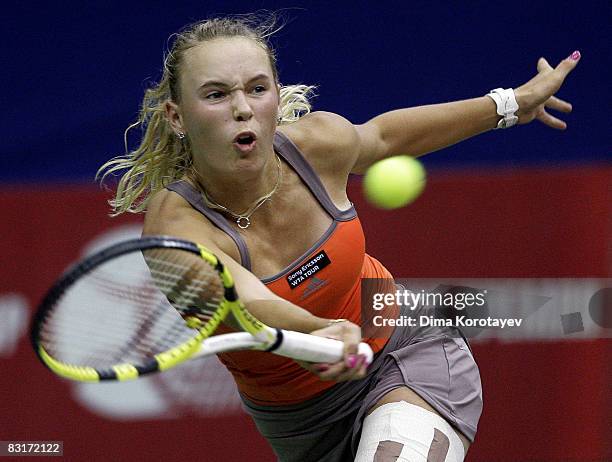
[(150, 304)]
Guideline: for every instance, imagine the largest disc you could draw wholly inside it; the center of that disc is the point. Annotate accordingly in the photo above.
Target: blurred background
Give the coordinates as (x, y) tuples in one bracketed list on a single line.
[(529, 205)]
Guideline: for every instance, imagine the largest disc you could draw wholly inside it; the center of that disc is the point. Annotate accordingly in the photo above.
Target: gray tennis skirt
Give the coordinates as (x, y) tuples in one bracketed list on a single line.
[(436, 363)]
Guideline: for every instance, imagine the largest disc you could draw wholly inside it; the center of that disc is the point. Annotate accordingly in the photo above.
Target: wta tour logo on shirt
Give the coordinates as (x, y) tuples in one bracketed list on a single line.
[(308, 269)]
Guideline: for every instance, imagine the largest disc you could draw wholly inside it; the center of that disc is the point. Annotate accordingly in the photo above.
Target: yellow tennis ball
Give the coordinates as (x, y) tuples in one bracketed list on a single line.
[(394, 182)]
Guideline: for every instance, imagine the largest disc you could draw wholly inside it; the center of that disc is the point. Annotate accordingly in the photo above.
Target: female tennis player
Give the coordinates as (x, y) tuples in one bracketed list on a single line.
[(233, 160)]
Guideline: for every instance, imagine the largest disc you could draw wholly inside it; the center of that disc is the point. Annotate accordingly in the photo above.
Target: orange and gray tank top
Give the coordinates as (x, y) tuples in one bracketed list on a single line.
[(325, 280)]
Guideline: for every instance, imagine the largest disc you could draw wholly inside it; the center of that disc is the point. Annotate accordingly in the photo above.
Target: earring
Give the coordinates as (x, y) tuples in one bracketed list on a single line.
[(181, 135)]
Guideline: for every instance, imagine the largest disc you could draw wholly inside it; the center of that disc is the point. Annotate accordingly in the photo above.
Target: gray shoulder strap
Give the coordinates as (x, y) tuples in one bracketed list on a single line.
[(289, 151)]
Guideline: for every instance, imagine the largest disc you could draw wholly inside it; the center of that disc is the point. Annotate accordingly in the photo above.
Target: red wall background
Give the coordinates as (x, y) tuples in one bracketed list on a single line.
[(544, 400)]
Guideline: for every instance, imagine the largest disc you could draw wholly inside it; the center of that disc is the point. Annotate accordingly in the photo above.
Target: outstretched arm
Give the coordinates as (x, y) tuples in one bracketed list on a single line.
[(420, 130)]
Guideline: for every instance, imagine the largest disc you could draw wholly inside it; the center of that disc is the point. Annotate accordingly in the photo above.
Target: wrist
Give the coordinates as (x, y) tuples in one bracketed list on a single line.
[(317, 323), (506, 106), (521, 97), (493, 118), (322, 323)]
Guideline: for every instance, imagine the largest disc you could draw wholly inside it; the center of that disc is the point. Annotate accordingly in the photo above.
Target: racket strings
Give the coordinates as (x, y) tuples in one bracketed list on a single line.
[(140, 343), (116, 339), (133, 352), (193, 288), (127, 309)]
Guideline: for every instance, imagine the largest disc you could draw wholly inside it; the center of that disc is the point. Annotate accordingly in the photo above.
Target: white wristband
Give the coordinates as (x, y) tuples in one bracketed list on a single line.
[(506, 106)]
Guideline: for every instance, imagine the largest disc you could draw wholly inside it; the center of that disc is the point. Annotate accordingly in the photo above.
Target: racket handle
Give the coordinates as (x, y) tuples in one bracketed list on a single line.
[(306, 347)]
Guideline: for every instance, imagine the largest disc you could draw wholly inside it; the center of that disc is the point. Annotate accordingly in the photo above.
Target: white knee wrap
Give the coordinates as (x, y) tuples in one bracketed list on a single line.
[(404, 432)]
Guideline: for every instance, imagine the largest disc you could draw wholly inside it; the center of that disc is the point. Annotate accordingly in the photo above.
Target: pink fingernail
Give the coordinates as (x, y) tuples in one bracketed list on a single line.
[(575, 56), (351, 361)]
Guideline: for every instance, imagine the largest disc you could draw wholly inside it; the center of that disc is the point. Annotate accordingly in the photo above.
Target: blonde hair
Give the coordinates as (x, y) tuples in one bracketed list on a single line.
[(161, 157)]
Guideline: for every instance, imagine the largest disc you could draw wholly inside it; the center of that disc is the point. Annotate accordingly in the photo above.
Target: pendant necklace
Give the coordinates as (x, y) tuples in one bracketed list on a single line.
[(243, 220)]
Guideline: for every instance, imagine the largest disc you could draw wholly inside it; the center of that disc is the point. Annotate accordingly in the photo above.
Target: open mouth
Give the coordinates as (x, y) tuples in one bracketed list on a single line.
[(245, 139), (245, 142)]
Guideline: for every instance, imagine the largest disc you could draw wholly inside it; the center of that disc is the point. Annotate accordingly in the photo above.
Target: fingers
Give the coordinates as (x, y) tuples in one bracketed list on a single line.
[(564, 67), (346, 331), (353, 368), (543, 65), (558, 104), (569, 64), (351, 334), (551, 121), (538, 92)]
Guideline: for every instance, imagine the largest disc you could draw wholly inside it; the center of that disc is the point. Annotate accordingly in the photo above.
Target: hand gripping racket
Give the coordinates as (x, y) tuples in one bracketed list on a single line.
[(149, 304)]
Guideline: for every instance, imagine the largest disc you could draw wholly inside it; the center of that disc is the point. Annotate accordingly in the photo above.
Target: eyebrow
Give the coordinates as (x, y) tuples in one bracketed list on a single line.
[(218, 83)]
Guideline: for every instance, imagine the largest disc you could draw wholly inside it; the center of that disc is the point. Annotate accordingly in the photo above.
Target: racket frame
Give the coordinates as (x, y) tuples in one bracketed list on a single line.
[(159, 362)]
